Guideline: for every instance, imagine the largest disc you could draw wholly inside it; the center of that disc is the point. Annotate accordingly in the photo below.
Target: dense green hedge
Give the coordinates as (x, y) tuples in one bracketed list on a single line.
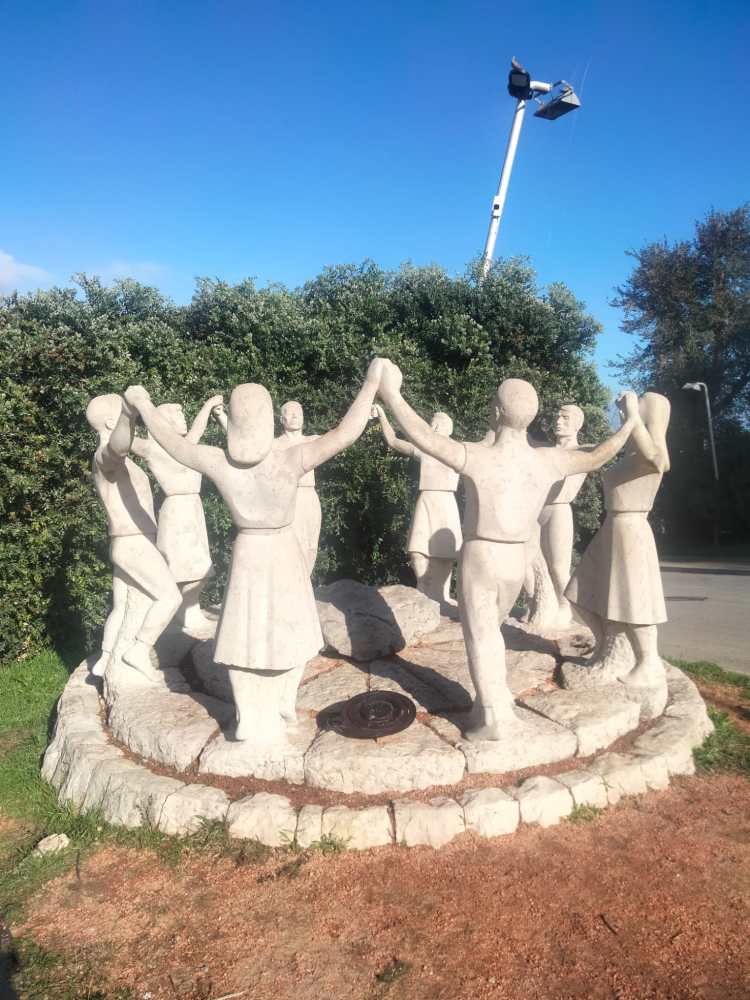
[(454, 338)]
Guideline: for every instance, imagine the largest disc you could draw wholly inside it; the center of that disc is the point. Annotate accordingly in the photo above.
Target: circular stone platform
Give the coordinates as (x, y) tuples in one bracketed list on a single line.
[(167, 757)]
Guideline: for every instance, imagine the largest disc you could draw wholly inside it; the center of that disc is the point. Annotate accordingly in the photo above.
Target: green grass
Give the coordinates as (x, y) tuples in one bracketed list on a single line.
[(726, 749), (714, 674), (45, 975), (585, 814)]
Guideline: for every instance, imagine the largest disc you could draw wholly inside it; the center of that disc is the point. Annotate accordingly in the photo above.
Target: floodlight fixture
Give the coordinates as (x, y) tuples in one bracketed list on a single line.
[(523, 88)]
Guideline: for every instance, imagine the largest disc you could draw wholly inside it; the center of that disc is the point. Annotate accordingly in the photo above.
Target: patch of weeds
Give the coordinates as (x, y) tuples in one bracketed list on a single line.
[(585, 814), (702, 670), (46, 975), (251, 852), (727, 748), (329, 844), (289, 870), (393, 971)]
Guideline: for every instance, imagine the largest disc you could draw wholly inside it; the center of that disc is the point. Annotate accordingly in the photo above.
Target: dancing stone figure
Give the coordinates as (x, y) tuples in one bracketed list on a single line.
[(616, 588), (435, 535), (181, 534), (269, 627), (506, 487), (125, 492), (307, 515), (551, 549)]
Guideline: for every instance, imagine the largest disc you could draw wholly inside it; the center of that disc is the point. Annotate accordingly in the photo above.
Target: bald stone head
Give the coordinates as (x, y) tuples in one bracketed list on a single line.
[(103, 412), (249, 424), (516, 404)]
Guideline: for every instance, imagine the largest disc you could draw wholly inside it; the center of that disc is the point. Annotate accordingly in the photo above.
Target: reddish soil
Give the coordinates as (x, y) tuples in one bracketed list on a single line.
[(650, 901)]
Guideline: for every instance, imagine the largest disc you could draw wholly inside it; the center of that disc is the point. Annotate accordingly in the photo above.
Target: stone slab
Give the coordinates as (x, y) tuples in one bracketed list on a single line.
[(597, 716), (543, 801), (433, 823), (621, 774), (135, 797), (269, 819), (285, 762), (392, 675), (529, 742), (167, 727), (445, 670), (415, 758), (309, 825), (344, 680), (186, 810), (490, 812), (586, 787), (359, 829)]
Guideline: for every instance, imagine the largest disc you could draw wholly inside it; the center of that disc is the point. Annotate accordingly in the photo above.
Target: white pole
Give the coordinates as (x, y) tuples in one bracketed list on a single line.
[(710, 430), (502, 191)]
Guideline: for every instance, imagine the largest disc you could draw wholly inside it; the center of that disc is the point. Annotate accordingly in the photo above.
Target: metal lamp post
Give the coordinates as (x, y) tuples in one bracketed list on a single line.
[(524, 89), (702, 387)]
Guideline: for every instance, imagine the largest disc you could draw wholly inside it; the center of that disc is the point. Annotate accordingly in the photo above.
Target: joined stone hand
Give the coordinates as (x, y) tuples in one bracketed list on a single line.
[(627, 403), (376, 413), (215, 402), (135, 396), (390, 380)]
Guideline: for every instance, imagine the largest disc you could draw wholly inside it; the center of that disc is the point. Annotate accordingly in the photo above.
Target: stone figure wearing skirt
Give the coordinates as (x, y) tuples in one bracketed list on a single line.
[(307, 515), (435, 540), (617, 586), (269, 626), (181, 535)]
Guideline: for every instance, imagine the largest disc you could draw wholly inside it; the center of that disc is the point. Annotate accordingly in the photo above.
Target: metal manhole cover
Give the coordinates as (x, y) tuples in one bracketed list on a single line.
[(375, 713)]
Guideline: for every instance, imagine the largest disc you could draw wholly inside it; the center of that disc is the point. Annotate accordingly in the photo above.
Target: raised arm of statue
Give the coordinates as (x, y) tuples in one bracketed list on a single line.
[(201, 420), (219, 414), (648, 448), (120, 440), (199, 457), (398, 444), (577, 460), (445, 449), (316, 452)]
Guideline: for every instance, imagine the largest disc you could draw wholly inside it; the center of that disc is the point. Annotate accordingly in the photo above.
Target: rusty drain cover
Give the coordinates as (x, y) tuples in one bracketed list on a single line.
[(375, 713)]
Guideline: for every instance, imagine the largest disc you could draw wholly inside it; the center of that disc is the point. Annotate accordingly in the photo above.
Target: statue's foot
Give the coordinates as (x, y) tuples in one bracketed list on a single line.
[(138, 656), (267, 734), (648, 673), (563, 619), (100, 667), (489, 724)]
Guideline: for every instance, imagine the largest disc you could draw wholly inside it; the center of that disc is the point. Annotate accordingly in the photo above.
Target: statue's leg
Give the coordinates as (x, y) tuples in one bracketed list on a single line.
[(490, 577), (648, 669), (141, 561), (595, 624), (114, 621), (557, 545), (290, 685), (533, 549), (257, 698), (190, 615)]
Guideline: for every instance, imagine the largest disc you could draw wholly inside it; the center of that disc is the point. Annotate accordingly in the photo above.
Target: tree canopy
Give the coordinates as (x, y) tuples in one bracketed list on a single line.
[(455, 339)]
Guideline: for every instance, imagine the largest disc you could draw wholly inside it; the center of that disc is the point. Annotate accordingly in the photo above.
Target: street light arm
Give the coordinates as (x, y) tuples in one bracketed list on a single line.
[(539, 87)]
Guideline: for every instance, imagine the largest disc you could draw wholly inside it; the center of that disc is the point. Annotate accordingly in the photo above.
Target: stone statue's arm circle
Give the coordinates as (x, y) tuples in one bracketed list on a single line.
[(318, 451), (398, 444), (647, 447), (201, 419), (199, 457), (446, 450), (573, 460), (120, 441)]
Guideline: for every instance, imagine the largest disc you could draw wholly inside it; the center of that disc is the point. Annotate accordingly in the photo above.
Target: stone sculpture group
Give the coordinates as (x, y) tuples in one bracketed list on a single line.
[(517, 512)]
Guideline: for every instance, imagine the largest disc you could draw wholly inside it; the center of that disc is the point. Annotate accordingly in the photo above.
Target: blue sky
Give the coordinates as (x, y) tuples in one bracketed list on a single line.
[(235, 139)]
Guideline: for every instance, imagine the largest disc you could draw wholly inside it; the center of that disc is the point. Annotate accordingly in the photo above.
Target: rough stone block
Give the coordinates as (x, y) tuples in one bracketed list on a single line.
[(434, 823), (309, 825), (621, 774), (393, 675), (136, 797), (269, 819), (655, 771), (415, 758), (543, 801), (587, 789), (271, 763), (597, 716), (530, 741), (673, 739), (490, 812), (359, 829), (343, 681), (186, 810)]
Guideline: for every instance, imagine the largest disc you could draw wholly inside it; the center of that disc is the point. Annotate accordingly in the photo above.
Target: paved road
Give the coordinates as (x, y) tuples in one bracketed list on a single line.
[(708, 604)]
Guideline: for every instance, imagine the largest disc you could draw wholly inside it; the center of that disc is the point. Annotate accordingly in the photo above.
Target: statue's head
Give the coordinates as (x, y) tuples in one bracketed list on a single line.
[(569, 420), (249, 424), (516, 404), (442, 424), (655, 410), (292, 416), (103, 412), (174, 415)]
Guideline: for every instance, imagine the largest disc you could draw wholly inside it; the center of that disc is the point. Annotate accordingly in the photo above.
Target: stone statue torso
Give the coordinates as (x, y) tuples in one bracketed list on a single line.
[(173, 477), (262, 495), (507, 485), (284, 442), (630, 485), (125, 493), (567, 490), (433, 475)]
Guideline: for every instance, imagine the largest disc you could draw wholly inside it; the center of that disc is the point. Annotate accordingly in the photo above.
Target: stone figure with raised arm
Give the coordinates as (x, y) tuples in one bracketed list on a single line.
[(551, 551), (435, 535), (125, 492), (507, 485), (307, 515), (616, 588), (269, 627), (181, 532)]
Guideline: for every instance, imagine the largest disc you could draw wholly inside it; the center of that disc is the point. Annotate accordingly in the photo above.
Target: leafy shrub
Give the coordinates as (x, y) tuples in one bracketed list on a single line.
[(455, 338)]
